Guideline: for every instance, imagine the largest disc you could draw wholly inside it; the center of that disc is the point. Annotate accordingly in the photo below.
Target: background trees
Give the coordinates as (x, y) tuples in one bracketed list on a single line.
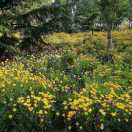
[(112, 11), (34, 18), (130, 13), (71, 15)]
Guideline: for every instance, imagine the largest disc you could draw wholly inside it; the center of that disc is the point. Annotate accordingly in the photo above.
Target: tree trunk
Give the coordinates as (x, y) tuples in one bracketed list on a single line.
[(110, 44)]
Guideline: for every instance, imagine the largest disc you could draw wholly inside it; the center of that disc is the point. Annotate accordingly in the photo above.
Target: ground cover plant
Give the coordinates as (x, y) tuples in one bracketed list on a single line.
[(65, 66), (78, 86)]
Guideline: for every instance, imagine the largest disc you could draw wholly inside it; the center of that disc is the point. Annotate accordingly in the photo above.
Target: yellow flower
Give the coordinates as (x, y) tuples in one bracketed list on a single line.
[(77, 123), (112, 85), (57, 113), (40, 112), (10, 116), (113, 114), (17, 35), (120, 106), (14, 110), (65, 108), (102, 112), (80, 127), (126, 119), (71, 114), (69, 127), (41, 120), (102, 126), (1, 34)]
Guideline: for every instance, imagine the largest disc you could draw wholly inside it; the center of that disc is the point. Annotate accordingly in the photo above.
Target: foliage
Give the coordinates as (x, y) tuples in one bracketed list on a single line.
[(76, 89), (90, 41), (68, 82)]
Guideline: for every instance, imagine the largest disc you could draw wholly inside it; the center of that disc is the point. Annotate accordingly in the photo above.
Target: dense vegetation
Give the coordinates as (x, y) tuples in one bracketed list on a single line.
[(65, 66), (35, 18), (76, 86)]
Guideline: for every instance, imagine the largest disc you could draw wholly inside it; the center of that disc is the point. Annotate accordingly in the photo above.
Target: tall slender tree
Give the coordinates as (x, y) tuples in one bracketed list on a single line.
[(111, 11)]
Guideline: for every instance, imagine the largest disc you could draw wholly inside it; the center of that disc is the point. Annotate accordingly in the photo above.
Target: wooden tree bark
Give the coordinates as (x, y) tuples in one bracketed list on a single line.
[(110, 44)]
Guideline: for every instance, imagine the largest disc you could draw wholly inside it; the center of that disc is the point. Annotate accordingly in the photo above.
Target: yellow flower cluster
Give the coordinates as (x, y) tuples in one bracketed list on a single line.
[(112, 85), (87, 58), (40, 105), (98, 39), (89, 92), (12, 76), (80, 104), (59, 38), (17, 35), (114, 104)]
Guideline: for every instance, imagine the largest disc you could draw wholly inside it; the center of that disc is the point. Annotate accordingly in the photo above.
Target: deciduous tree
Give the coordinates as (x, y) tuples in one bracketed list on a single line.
[(111, 11)]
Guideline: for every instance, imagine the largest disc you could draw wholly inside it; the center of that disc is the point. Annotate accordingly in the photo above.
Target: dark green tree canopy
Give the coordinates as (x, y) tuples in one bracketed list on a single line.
[(5, 4)]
